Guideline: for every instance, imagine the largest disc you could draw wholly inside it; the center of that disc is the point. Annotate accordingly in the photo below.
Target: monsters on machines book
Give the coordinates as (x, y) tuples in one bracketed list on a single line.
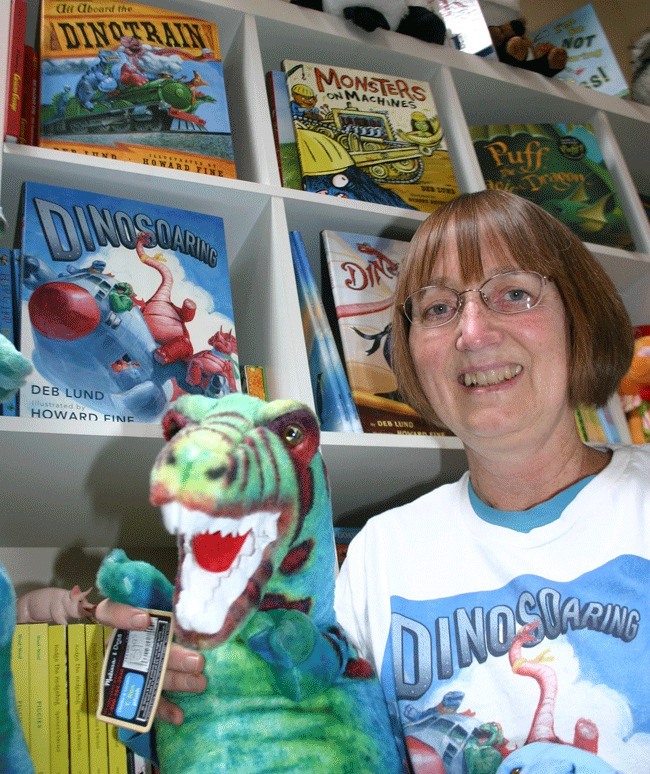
[(370, 137), (136, 84), (126, 305)]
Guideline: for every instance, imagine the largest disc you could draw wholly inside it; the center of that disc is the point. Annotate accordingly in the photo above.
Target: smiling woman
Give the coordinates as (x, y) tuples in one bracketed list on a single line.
[(503, 323)]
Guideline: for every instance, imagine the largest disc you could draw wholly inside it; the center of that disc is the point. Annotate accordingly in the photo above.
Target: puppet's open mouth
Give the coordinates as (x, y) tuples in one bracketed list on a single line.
[(216, 553), (220, 554)]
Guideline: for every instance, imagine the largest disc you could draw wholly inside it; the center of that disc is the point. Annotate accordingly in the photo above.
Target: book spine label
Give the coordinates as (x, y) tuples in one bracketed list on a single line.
[(20, 671), (97, 737), (78, 703), (58, 690), (117, 752), (18, 25), (39, 698)]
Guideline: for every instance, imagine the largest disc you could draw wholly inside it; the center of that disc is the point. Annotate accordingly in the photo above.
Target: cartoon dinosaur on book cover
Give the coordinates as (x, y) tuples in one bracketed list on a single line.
[(242, 484)]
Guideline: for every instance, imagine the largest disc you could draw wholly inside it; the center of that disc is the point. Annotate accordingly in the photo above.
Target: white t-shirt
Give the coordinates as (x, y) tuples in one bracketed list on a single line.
[(434, 597)]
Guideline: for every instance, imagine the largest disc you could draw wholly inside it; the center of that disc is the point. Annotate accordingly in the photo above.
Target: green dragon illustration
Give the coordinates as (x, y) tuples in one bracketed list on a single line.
[(242, 484)]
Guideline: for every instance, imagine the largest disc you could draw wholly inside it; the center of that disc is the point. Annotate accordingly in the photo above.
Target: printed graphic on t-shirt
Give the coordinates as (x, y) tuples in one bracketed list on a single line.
[(476, 676)]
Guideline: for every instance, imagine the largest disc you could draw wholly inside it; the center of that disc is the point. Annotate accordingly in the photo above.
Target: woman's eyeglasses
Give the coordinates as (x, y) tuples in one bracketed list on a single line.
[(511, 292)]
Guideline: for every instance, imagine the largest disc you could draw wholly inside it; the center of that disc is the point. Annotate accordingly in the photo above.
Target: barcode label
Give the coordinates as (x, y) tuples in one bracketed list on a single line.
[(137, 654), (132, 677)]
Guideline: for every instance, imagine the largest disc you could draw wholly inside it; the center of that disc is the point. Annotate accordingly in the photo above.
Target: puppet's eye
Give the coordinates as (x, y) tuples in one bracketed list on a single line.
[(340, 181), (293, 435)]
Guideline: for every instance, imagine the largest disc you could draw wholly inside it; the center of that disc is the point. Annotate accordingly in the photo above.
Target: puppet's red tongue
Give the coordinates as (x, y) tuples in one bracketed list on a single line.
[(217, 552)]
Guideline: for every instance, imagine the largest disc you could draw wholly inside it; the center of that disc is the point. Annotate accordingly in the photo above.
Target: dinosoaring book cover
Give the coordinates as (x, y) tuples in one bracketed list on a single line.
[(370, 137), (126, 305), (359, 277), (560, 167), (134, 83)]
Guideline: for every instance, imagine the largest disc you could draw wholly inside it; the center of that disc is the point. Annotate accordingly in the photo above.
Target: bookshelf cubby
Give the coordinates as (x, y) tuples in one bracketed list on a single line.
[(67, 486)]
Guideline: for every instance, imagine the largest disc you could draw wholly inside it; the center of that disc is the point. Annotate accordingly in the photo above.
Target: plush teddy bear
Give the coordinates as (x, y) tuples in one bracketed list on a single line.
[(414, 19), (514, 48)]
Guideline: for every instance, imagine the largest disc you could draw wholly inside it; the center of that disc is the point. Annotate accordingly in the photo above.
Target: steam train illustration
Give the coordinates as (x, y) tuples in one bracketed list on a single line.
[(162, 104)]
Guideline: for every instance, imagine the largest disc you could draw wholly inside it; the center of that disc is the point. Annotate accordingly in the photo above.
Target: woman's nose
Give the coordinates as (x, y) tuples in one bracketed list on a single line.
[(475, 323)]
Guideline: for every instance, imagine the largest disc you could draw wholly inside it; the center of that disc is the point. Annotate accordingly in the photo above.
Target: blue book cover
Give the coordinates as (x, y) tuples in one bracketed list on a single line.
[(591, 60), (334, 405), (7, 318), (126, 305)]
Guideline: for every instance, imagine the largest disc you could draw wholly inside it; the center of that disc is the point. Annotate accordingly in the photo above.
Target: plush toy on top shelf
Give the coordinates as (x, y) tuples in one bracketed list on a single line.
[(414, 18), (514, 48)]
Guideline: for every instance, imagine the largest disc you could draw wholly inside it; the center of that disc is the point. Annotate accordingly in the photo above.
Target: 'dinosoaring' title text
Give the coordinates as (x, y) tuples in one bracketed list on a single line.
[(69, 231)]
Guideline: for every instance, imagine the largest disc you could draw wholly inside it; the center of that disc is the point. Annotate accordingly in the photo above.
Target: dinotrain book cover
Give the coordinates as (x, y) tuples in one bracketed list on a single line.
[(126, 305), (370, 137), (560, 167), (359, 277), (134, 83)]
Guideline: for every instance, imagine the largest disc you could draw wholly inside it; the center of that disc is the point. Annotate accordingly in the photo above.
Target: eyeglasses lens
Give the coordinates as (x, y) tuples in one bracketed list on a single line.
[(507, 293)]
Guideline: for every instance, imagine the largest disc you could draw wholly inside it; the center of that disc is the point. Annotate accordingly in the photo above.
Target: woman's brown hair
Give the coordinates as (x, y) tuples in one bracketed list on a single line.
[(601, 341)]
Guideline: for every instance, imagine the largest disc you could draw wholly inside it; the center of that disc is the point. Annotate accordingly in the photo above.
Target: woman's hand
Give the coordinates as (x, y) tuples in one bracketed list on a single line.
[(184, 667)]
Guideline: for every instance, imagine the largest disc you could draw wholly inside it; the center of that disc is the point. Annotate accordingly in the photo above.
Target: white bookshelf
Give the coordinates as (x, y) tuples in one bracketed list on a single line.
[(67, 486)]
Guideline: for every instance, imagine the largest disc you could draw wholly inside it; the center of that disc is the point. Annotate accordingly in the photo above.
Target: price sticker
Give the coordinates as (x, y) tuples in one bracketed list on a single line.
[(133, 672)]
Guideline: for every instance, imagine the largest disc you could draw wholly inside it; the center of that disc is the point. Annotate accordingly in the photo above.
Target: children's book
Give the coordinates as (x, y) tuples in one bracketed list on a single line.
[(136, 83), (15, 67), (117, 757), (58, 692), (366, 136), (126, 306), (97, 729), (283, 131), (78, 700), (8, 260), (332, 397), (591, 59), (29, 109), (39, 698), (359, 277), (560, 167), (20, 673), (342, 538)]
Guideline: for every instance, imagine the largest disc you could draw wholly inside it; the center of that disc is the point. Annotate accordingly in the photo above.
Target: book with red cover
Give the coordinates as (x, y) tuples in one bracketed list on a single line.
[(29, 106), (17, 26)]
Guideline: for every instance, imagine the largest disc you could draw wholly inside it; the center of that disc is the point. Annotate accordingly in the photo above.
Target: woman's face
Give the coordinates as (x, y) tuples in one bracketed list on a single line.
[(495, 377)]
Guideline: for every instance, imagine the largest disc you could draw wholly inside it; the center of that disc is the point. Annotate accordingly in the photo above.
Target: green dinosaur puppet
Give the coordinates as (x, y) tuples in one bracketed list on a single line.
[(242, 484)]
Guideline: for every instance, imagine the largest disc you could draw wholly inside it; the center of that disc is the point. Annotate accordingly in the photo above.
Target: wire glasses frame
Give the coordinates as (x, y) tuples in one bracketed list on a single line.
[(510, 292)]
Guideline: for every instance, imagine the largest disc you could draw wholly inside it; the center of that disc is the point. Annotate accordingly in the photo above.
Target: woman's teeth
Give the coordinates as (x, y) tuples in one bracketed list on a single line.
[(492, 376)]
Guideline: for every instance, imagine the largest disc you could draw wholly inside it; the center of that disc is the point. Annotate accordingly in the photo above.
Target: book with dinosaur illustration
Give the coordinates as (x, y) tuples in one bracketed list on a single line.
[(126, 305), (560, 167), (135, 83), (371, 137), (359, 277)]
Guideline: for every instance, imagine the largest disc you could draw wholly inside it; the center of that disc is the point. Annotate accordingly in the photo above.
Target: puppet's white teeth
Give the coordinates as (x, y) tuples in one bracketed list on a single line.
[(178, 519)]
